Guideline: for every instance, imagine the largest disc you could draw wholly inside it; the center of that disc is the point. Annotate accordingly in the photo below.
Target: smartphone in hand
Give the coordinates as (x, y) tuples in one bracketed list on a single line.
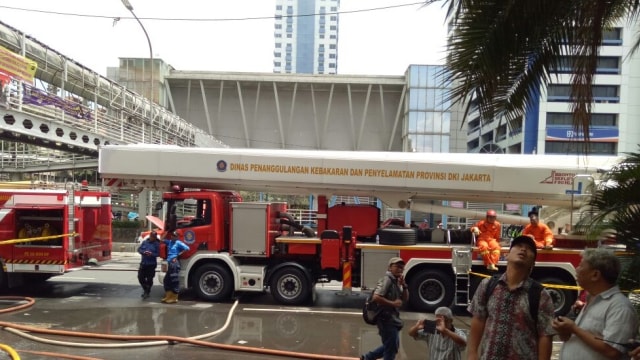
[(429, 326)]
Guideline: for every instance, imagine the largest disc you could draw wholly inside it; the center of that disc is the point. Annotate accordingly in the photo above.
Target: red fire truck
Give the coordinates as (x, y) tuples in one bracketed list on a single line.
[(45, 232), (259, 246)]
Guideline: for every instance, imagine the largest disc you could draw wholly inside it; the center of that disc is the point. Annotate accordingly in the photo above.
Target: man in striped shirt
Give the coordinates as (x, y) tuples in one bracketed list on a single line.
[(445, 342)]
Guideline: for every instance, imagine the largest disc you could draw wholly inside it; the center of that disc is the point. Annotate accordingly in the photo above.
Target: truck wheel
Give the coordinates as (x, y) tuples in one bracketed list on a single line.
[(563, 299), (400, 236), (429, 290), (213, 283), (290, 286)]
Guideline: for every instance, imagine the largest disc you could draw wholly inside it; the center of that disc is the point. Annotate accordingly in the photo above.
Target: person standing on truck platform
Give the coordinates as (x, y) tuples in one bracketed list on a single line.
[(175, 248), (607, 320), (541, 234), (503, 326), (488, 232), (390, 292), (149, 250)]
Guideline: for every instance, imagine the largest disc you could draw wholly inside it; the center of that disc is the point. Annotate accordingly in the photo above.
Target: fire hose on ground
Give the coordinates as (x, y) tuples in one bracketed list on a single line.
[(142, 340)]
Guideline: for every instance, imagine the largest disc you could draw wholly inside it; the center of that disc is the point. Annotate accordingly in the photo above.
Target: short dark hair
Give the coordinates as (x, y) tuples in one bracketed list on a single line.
[(153, 233)]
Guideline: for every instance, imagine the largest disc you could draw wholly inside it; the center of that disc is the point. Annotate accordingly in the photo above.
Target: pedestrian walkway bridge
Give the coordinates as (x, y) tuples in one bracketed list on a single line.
[(74, 110)]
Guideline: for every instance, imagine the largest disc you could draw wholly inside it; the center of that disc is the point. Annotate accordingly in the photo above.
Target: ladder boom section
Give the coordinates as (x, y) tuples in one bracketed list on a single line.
[(392, 176)]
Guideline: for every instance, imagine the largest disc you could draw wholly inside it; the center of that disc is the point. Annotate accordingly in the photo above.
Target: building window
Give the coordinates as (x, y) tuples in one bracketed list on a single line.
[(278, 26), (277, 64), (566, 119), (577, 147), (601, 93), (612, 37), (332, 46), (605, 65), (278, 45)]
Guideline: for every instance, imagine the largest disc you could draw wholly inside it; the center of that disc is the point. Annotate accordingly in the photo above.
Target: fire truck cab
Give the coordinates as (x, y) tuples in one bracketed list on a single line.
[(259, 246)]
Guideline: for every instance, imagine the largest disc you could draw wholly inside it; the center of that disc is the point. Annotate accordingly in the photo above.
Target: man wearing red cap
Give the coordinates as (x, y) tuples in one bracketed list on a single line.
[(488, 232)]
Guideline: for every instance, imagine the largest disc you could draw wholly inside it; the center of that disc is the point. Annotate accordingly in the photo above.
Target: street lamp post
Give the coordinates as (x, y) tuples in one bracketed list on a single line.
[(129, 7)]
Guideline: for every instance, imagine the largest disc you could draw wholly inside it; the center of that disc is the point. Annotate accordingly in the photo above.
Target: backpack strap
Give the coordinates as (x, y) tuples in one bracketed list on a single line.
[(534, 301)]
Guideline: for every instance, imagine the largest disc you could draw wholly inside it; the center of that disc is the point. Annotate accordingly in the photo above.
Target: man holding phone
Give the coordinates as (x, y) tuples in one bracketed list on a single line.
[(444, 341)]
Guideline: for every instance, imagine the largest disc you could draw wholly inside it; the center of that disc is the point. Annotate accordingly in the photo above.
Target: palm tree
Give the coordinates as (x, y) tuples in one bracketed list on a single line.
[(501, 52), (616, 204)]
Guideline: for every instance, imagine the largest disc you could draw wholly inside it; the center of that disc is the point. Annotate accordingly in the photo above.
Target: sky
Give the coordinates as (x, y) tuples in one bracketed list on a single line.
[(375, 42)]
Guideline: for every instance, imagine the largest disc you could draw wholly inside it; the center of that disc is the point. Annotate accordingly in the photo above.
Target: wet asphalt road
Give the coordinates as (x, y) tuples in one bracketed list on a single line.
[(107, 301)]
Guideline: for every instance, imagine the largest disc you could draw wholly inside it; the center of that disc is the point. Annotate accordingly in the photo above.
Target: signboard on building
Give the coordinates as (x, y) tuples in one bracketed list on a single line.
[(16, 66), (567, 133)]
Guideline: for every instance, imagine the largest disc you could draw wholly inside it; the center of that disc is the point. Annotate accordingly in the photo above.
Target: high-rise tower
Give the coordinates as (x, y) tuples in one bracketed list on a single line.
[(306, 36)]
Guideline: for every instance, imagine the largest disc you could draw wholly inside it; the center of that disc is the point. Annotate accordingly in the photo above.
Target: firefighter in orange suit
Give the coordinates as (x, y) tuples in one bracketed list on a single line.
[(540, 232), (488, 233)]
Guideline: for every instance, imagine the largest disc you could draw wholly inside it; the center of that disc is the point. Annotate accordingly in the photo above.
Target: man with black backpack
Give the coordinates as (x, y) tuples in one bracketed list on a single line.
[(506, 322), (389, 294)]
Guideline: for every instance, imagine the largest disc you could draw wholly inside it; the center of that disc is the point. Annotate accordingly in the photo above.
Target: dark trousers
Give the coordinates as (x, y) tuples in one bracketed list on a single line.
[(172, 277), (146, 272), (389, 333)]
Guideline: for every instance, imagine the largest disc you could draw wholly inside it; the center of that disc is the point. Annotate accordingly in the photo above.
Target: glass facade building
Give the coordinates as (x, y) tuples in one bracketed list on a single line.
[(428, 115), (306, 36)]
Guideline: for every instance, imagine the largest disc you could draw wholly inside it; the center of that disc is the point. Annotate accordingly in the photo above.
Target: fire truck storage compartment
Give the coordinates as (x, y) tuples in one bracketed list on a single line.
[(363, 219), (254, 227), (40, 222), (373, 265), (330, 254)]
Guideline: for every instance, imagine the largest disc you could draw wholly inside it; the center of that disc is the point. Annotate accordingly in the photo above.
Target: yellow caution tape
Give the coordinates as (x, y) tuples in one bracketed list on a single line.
[(554, 286)]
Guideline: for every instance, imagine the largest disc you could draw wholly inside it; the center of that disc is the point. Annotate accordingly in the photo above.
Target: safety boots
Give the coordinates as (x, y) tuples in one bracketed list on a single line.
[(170, 298)]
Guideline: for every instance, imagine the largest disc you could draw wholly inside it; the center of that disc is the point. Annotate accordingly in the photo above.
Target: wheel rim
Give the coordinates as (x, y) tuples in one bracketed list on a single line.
[(431, 291), (289, 286), (211, 283), (558, 298)]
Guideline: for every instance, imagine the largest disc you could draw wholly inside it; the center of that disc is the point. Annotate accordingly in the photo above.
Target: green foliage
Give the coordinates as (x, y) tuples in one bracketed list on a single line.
[(500, 53), (126, 224), (615, 208)]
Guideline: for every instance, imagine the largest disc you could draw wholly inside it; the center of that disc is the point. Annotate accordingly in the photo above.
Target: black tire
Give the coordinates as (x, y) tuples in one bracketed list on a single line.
[(393, 236), (290, 286), (563, 299), (429, 290), (213, 282)]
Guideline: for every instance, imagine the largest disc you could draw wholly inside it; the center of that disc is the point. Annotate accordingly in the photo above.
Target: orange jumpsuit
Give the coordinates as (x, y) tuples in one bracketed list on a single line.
[(488, 244), (542, 235)]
